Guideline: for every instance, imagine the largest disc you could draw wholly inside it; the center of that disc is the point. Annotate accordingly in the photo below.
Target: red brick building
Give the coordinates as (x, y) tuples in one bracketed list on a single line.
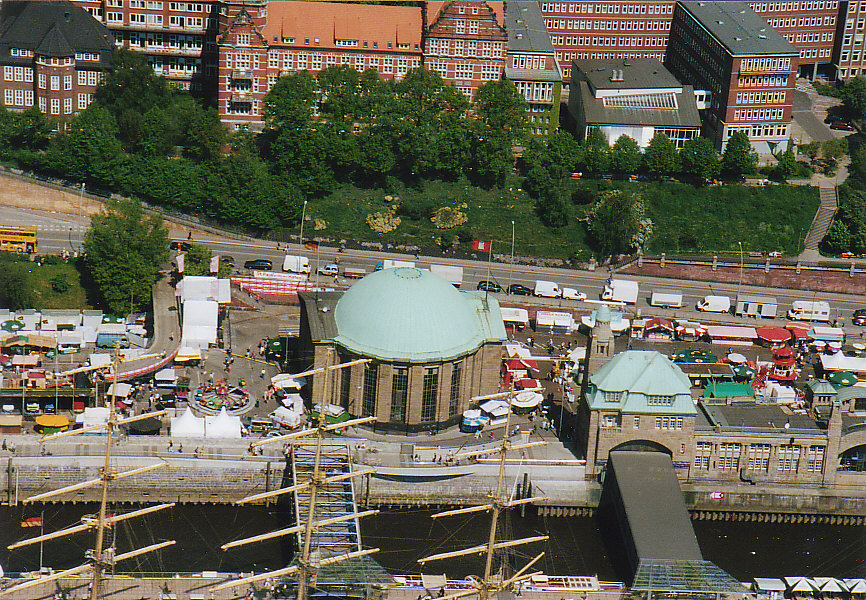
[(53, 55), (748, 67), (465, 42), (259, 42)]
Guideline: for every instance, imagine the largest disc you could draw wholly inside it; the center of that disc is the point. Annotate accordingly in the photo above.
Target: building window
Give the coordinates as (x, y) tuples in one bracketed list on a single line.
[(660, 400), (789, 457), (368, 396), (399, 394), (609, 421), (242, 39), (9, 73), (429, 392), (637, 422), (67, 106), (459, 26), (759, 457), (8, 97), (55, 82), (55, 106), (815, 459), (612, 396), (83, 101), (703, 450), (454, 403), (67, 82), (345, 389)]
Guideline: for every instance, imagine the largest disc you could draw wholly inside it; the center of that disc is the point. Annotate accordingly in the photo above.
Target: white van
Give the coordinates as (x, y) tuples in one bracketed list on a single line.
[(547, 289), (716, 304), (809, 310), (667, 299)]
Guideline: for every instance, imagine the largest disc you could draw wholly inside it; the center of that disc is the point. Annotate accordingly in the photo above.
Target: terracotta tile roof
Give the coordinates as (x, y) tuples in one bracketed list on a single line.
[(330, 20), (434, 7)]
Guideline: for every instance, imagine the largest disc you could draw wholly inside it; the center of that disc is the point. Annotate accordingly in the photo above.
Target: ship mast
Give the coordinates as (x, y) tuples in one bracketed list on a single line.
[(306, 565), (488, 586), (100, 559)]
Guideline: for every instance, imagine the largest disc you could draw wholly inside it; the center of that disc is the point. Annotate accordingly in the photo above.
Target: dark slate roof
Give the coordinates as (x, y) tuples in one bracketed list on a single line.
[(52, 27), (636, 74), (525, 26), (320, 313), (738, 28), (766, 417), (595, 113), (654, 506)]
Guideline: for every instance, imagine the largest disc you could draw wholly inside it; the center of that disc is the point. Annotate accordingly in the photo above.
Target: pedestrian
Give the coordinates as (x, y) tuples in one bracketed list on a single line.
[(170, 444), (4, 444), (262, 374), (477, 433), (180, 447)]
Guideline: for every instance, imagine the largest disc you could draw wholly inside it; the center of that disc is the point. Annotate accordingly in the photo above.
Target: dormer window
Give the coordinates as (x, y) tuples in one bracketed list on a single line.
[(242, 39)]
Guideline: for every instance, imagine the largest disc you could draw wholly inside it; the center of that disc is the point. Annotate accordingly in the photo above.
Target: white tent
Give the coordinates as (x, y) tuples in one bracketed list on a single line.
[(203, 287), (94, 415), (199, 323), (100, 360), (286, 417), (121, 390), (187, 425), (222, 425), (798, 584), (856, 586), (185, 354), (287, 380), (165, 377), (527, 399), (495, 408), (833, 585)]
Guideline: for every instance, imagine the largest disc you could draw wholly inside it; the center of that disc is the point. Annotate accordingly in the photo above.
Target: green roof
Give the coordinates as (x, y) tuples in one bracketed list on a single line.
[(847, 393), (821, 386), (640, 375), (405, 314), (725, 389)]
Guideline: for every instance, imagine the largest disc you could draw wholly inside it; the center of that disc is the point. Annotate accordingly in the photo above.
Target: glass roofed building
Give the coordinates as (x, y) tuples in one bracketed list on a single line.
[(432, 347)]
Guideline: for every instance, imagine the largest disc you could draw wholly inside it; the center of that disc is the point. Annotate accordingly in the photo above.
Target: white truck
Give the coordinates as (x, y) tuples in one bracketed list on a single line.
[(354, 272), (810, 310), (667, 299), (547, 289), (296, 264), (716, 304), (451, 274), (621, 290), (392, 264)]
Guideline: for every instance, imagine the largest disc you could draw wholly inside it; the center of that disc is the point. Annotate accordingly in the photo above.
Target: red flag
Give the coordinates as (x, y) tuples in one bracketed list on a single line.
[(311, 245), (32, 522), (481, 246)]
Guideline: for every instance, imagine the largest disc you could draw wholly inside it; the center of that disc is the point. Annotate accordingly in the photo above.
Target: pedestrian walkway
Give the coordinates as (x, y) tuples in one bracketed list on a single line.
[(821, 223)]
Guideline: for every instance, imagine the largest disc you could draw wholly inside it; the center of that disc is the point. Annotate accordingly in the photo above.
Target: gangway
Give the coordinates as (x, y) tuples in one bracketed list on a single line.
[(334, 499)]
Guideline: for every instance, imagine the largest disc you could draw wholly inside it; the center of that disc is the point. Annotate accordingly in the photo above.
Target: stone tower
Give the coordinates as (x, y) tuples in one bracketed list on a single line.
[(600, 349)]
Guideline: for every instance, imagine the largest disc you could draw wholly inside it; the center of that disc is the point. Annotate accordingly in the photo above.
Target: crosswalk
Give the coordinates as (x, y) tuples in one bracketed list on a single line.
[(63, 228)]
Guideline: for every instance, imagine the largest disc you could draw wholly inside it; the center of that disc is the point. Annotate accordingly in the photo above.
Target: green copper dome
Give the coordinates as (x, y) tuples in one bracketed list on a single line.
[(409, 315)]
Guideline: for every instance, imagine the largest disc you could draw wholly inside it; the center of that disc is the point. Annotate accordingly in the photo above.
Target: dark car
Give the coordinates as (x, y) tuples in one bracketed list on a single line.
[(842, 126), (859, 316), (259, 264), (489, 286), (180, 246), (229, 260), (519, 290)]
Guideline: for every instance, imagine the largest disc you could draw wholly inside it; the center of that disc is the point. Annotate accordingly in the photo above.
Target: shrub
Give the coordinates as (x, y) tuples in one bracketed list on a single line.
[(583, 196), (60, 284)]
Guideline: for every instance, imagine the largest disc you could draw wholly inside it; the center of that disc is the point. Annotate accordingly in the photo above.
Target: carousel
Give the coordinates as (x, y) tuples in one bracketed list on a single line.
[(222, 395)]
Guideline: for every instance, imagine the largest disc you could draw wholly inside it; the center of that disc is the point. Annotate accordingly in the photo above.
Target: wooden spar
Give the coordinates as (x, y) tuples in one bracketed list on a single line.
[(91, 482), (301, 486), (47, 578), (90, 428), (289, 570), (462, 511), (142, 416), (482, 548), (349, 423), (520, 573), (351, 363), (146, 549), (89, 524), (498, 450), (296, 529), (89, 368), (504, 394), (50, 536), (282, 438), (513, 503)]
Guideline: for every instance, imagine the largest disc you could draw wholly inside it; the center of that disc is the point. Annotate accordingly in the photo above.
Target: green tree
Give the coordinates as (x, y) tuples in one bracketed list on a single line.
[(617, 223), (30, 129), (625, 156), (660, 156), (739, 158), (124, 251), (788, 165), (550, 208), (838, 238), (16, 291), (699, 158), (501, 108), (596, 152), (197, 262), (853, 96), (90, 150)]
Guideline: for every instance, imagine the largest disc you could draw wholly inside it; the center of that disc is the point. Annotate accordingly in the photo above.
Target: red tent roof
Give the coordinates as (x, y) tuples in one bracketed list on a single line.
[(517, 363), (659, 323), (774, 335), (799, 330), (783, 352)]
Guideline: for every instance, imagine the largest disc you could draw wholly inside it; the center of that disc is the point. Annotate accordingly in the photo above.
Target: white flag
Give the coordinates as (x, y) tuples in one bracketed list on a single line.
[(215, 264), (180, 262)]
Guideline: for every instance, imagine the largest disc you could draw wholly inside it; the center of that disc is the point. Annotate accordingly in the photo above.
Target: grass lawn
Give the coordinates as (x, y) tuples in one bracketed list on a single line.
[(686, 219), (44, 296)]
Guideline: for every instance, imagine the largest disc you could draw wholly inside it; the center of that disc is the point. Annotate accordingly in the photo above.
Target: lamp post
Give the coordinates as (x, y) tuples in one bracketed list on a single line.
[(81, 197), (740, 284), (303, 215), (511, 268)]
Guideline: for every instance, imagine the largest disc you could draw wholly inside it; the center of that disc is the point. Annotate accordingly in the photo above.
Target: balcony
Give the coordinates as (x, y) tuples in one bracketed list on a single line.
[(238, 97), (242, 75), (164, 51)]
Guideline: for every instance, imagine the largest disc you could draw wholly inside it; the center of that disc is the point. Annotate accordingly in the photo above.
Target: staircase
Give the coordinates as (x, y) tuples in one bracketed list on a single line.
[(823, 218)]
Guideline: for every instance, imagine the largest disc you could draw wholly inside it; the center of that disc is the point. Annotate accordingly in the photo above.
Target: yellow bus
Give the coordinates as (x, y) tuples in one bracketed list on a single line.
[(18, 238)]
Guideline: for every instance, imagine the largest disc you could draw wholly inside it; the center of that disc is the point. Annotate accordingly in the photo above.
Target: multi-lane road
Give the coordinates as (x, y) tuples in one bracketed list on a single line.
[(65, 232)]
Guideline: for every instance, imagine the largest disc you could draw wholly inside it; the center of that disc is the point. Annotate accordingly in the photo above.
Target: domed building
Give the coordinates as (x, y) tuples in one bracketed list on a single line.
[(433, 347)]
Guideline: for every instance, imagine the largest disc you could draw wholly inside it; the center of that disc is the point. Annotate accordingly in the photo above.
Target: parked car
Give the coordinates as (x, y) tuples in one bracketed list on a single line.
[(519, 290), (229, 260), (859, 317), (842, 126), (489, 286), (259, 264), (179, 246), (329, 270)]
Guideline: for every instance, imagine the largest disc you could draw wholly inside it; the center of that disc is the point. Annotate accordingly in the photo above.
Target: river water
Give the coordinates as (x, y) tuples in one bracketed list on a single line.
[(577, 545)]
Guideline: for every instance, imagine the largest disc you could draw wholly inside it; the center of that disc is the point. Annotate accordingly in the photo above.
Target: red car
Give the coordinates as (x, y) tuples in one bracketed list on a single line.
[(860, 316), (842, 126)]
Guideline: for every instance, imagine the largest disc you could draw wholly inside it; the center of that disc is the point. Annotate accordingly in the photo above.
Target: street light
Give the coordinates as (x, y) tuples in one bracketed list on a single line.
[(303, 215), (740, 284), (511, 269)]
